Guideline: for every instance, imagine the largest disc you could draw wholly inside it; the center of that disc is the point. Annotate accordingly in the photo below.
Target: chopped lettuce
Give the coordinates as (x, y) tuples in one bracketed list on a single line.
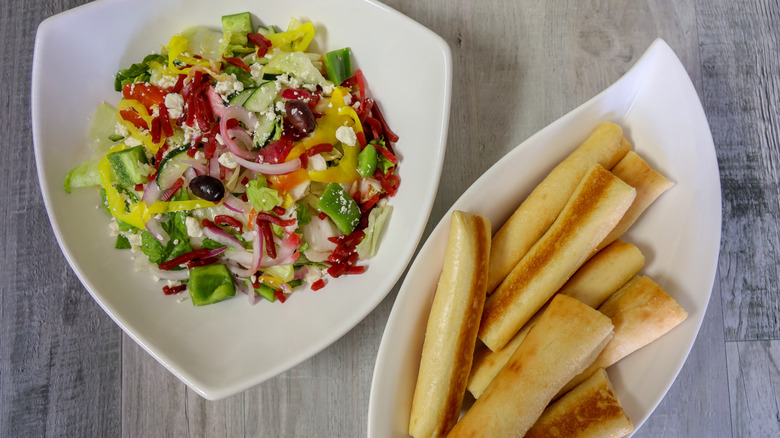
[(376, 220), (262, 197), (203, 41), (138, 72)]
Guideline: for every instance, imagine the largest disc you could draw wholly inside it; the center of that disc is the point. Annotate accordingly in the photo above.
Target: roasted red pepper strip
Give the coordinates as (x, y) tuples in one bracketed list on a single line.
[(173, 290), (237, 62), (184, 258), (318, 149), (265, 217), (230, 221), (265, 228), (168, 194), (317, 285), (262, 43)]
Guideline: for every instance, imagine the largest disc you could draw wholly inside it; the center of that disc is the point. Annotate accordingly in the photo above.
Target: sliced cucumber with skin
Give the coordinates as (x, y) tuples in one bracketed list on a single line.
[(172, 167), (241, 97), (265, 31), (267, 130), (262, 98), (127, 165)]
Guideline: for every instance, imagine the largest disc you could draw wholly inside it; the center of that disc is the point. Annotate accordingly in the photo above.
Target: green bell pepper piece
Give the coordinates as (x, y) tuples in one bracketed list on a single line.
[(367, 161), (340, 207), (210, 284), (338, 65)]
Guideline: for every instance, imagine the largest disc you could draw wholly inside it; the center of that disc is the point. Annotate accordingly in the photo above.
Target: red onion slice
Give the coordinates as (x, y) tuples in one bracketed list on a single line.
[(151, 194), (235, 204), (215, 101), (154, 228), (249, 120), (269, 169), (222, 237)]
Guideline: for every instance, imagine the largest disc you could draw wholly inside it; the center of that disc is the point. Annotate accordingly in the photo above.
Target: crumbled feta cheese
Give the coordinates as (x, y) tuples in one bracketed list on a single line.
[(199, 155), (166, 81), (312, 274), (122, 130), (113, 227), (174, 102), (347, 99), (219, 139), (190, 133), (316, 163), (327, 89), (289, 81), (194, 229), (226, 88), (256, 70), (346, 135), (131, 141), (280, 106), (226, 159)]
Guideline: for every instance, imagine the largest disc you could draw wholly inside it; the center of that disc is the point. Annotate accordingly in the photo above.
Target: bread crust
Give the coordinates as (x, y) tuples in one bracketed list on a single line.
[(539, 210), (595, 207), (451, 331)]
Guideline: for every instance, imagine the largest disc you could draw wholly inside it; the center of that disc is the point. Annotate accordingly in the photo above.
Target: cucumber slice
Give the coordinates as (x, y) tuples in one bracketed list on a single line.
[(265, 31), (240, 23), (241, 97), (172, 167), (267, 130), (262, 98), (127, 165)]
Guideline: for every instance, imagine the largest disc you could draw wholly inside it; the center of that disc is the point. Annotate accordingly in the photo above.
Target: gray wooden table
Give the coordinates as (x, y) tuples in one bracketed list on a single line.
[(67, 370)]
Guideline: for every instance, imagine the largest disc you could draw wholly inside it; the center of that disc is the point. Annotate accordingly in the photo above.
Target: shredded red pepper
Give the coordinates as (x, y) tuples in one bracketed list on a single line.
[(265, 217), (369, 204), (168, 194), (279, 210), (173, 290), (280, 296), (317, 285), (224, 219), (388, 133), (268, 236), (318, 149), (184, 258), (386, 153)]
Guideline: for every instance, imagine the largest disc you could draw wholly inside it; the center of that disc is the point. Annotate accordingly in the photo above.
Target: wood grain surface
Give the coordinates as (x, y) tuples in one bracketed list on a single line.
[(66, 369)]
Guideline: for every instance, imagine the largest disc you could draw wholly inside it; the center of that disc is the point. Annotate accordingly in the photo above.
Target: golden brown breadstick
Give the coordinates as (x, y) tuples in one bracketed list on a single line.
[(641, 312), (452, 328), (590, 410), (604, 273), (593, 283), (538, 211), (649, 185), (566, 339), (594, 208)]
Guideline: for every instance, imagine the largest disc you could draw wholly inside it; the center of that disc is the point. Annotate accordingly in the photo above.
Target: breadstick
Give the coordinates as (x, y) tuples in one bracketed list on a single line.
[(568, 336), (593, 283), (594, 208), (535, 215), (590, 410), (649, 185), (641, 312), (452, 328)]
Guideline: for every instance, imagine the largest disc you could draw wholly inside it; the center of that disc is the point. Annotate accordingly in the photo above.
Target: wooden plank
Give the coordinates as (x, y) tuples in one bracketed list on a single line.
[(59, 355), (753, 376), (697, 403), (740, 60)]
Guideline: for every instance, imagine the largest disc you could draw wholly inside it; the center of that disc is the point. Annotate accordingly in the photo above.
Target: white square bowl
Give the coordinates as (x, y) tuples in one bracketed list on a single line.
[(222, 349)]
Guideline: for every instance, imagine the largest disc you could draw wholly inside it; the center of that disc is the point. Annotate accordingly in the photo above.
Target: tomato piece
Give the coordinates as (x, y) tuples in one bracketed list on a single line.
[(289, 180), (134, 118), (145, 93)]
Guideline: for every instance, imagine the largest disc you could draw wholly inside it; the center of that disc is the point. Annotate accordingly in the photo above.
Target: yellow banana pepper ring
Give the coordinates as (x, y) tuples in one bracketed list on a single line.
[(298, 38), (177, 46)]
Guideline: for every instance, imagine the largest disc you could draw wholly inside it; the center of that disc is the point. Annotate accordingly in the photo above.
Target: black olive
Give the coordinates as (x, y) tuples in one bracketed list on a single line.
[(300, 116), (207, 187)]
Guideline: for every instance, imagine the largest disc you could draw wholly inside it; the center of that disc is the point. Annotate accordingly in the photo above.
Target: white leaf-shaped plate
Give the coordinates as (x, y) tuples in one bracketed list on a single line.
[(679, 234)]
